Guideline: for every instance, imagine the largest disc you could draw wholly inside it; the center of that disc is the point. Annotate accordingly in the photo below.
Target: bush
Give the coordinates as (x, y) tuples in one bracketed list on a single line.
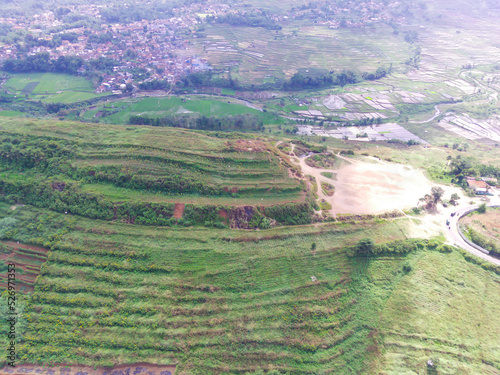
[(365, 246), (265, 223), (445, 248), (290, 214), (7, 224)]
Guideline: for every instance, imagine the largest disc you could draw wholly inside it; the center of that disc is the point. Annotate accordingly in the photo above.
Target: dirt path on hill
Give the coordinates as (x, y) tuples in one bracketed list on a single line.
[(179, 210)]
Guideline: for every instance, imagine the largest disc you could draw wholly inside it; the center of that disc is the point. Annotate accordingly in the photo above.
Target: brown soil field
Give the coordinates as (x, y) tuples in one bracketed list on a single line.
[(23, 261), (136, 369), (179, 210), (369, 188), (16, 245)]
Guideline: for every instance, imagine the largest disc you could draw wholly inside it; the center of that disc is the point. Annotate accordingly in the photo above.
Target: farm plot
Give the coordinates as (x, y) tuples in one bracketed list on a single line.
[(71, 97), (189, 297), (258, 56), (28, 89), (49, 83), (165, 164), (51, 87), (355, 106), (27, 260), (470, 128), (136, 369), (163, 106), (7, 113), (379, 132)]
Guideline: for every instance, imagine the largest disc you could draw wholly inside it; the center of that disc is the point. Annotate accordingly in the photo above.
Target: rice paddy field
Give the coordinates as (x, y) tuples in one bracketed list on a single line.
[(169, 106), (258, 55), (51, 87)]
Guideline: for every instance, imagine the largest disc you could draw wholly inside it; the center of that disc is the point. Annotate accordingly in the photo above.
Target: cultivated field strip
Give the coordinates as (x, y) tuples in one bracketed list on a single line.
[(191, 297)]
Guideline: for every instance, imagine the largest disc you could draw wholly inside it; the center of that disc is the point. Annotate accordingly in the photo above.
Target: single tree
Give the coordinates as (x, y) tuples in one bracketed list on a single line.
[(437, 193), (431, 200)]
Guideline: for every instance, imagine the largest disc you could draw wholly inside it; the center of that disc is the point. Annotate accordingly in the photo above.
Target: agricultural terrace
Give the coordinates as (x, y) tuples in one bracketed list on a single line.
[(117, 172), (227, 301), (257, 56), (27, 259)]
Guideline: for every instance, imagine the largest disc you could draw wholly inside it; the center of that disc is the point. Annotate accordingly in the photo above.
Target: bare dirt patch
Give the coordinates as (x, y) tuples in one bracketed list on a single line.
[(366, 188), (247, 145), (223, 214), (179, 210), (24, 246), (28, 265)]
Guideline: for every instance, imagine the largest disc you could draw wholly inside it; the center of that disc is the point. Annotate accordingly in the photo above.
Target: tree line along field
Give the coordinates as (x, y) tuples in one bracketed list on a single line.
[(233, 302), (89, 169)]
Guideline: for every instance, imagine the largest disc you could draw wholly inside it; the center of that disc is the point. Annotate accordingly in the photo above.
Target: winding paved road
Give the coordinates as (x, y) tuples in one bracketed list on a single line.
[(452, 232)]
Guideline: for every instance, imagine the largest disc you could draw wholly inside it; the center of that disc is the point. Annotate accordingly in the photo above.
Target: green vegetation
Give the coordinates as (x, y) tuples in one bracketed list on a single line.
[(52, 87), (482, 228), (324, 205), (330, 175), (64, 167), (176, 107), (114, 293), (324, 161), (327, 188)]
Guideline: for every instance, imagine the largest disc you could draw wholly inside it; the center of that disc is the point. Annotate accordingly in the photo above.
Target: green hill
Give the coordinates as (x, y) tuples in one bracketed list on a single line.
[(139, 172), (229, 301)]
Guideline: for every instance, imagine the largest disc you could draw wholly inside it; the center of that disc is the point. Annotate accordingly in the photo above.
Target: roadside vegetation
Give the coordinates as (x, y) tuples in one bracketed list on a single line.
[(482, 227)]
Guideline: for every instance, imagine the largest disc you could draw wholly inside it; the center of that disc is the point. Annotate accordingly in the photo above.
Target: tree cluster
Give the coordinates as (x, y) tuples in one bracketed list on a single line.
[(136, 12), (227, 123), (42, 63), (246, 19)]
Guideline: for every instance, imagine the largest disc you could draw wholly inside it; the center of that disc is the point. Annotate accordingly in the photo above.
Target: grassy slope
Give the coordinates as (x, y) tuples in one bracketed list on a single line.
[(445, 310), (233, 306), (199, 156)]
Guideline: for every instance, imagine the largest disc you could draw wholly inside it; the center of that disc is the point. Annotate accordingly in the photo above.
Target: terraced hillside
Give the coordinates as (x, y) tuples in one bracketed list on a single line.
[(214, 301), (117, 172)]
